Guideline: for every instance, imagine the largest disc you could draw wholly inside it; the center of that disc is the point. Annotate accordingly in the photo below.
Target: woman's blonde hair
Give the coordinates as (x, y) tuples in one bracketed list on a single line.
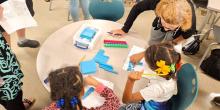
[(175, 12)]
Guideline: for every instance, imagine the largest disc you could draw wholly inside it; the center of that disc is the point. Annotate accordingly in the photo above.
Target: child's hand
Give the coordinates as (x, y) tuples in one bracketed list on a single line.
[(136, 75), (91, 81), (136, 57)]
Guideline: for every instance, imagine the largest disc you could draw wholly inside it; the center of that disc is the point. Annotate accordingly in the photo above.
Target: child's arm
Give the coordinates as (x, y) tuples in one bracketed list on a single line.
[(111, 100), (128, 96), (137, 57)]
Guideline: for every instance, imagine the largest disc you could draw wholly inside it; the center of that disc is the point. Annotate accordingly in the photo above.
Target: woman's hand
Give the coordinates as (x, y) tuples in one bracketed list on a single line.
[(117, 33), (137, 57), (136, 75), (91, 81)]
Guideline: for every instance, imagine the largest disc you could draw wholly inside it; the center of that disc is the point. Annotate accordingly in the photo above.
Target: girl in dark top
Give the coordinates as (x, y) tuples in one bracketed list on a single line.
[(175, 20)]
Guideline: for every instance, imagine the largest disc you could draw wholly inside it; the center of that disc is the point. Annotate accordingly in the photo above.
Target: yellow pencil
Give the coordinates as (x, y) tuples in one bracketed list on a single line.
[(147, 74), (83, 57)]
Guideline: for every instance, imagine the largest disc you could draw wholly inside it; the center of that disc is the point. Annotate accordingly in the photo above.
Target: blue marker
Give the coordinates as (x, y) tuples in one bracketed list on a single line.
[(46, 80), (88, 92)]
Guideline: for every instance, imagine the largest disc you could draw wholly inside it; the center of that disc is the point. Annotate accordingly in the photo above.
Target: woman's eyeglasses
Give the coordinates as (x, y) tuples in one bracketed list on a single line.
[(162, 24)]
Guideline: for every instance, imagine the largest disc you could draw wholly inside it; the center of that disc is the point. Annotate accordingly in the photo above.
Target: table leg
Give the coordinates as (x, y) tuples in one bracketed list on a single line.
[(207, 17), (50, 6)]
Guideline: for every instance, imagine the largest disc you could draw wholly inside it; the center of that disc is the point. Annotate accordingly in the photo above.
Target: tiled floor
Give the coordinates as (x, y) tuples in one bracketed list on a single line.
[(50, 21)]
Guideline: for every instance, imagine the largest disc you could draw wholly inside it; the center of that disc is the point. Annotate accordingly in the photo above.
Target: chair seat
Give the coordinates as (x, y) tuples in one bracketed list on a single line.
[(187, 84)]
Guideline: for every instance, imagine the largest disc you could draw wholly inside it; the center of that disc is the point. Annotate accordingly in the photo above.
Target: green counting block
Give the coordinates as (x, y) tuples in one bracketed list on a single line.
[(116, 45)]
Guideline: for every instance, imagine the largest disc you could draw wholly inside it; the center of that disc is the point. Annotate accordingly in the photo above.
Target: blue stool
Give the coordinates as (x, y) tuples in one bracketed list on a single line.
[(111, 10)]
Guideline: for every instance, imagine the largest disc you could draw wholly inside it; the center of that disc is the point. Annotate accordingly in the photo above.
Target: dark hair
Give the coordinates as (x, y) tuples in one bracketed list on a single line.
[(162, 51), (66, 83)]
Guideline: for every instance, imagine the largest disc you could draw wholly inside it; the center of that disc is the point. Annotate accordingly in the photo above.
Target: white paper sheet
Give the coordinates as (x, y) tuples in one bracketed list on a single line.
[(16, 16), (94, 99), (134, 50), (144, 67)]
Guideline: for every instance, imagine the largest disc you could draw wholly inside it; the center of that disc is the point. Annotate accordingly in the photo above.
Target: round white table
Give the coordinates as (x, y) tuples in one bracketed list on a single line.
[(58, 51)]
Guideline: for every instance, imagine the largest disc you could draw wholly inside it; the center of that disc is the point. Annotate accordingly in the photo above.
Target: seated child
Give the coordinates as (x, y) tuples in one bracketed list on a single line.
[(164, 60), (67, 89)]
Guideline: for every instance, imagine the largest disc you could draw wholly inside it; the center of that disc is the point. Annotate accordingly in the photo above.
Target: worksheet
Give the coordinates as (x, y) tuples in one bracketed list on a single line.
[(94, 99)]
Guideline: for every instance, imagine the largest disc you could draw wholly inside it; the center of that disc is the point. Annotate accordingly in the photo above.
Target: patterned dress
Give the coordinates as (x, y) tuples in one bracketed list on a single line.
[(10, 72)]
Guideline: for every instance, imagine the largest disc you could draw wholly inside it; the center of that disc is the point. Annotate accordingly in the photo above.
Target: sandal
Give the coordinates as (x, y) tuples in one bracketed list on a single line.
[(28, 103)]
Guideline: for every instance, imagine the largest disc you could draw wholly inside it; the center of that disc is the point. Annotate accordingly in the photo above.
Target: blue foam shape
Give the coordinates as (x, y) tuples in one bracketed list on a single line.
[(88, 92), (88, 33), (88, 67), (100, 57), (101, 52), (46, 80), (107, 67)]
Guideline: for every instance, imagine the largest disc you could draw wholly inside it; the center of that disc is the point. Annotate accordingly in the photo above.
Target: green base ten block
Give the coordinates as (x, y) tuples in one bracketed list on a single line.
[(116, 45)]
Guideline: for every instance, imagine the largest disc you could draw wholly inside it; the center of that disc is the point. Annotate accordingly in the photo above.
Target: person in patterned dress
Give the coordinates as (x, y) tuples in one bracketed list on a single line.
[(10, 77)]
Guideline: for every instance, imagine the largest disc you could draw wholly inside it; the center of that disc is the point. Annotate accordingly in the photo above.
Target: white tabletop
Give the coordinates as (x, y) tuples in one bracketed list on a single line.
[(214, 5), (58, 51)]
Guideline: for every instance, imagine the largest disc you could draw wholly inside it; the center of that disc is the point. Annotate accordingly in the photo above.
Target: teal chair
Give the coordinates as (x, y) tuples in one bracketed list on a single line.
[(187, 84), (111, 10)]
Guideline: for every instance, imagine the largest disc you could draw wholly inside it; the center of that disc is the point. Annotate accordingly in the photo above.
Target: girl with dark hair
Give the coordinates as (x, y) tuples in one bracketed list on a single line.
[(67, 89), (164, 61)]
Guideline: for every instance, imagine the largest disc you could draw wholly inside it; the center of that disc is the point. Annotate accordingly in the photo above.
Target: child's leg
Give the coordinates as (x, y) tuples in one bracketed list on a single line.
[(7, 38), (16, 104), (85, 8), (74, 9)]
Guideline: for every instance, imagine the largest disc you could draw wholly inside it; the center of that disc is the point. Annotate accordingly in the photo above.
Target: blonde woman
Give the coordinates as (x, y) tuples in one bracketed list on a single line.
[(175, 20)]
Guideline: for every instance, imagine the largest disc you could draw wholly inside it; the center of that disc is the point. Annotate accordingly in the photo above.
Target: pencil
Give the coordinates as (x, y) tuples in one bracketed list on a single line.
[(83, 57)]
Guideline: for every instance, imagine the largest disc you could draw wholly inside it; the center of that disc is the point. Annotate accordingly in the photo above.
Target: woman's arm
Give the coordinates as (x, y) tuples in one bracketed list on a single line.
[(138, 9), (1, 1), (128, 96)]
